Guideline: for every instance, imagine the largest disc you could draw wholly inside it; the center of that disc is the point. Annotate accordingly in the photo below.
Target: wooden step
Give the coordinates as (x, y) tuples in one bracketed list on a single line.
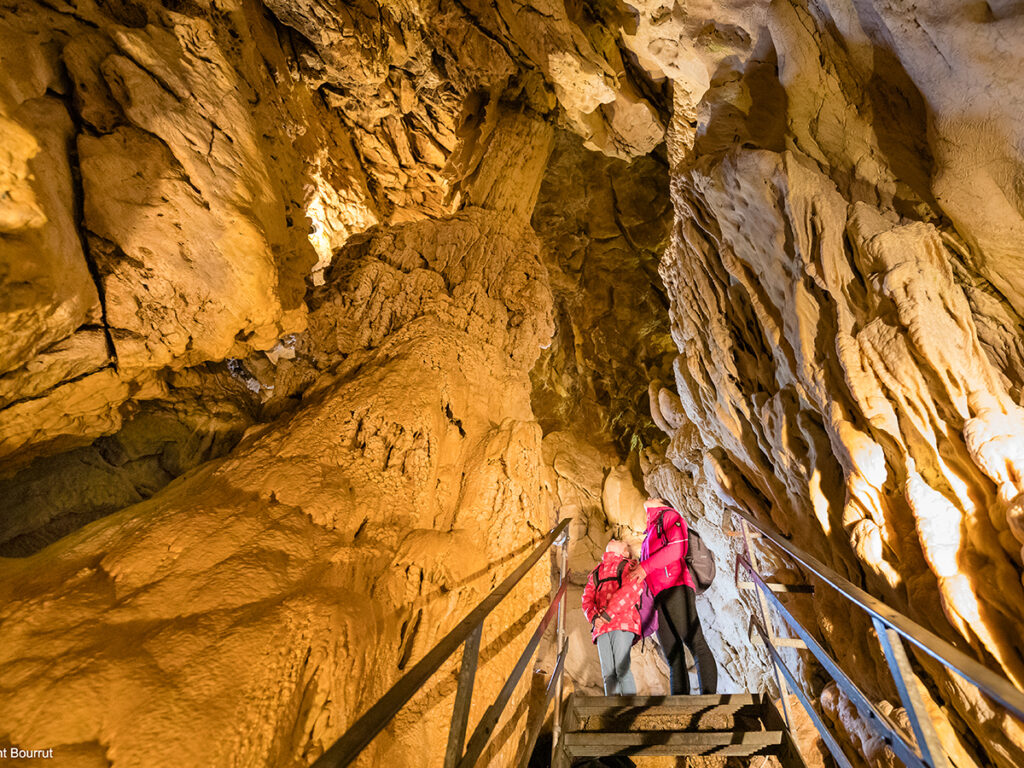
[(666, 713), (717, 743), (702, 701)]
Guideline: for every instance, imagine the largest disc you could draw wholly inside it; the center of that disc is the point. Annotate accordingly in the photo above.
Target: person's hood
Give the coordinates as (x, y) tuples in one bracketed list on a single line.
[(612, 558), (652, 514)]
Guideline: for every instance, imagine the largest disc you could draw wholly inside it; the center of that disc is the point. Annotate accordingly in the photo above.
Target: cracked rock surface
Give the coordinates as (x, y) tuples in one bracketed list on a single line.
[(848, 358)]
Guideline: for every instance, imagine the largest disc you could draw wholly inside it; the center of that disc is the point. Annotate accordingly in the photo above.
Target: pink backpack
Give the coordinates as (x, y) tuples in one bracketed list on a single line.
[(648, 615), (698, 560)]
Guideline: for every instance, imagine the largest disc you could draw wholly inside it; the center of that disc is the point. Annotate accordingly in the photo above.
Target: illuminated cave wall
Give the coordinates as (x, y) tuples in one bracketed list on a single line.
[(300, 298)]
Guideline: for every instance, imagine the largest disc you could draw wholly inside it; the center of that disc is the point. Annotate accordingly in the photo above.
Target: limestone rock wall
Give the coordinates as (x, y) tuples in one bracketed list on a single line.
[(603, 224), (848, 364), (280, 591), (192, 193), (159, 172), (302, 297), (177, 174)]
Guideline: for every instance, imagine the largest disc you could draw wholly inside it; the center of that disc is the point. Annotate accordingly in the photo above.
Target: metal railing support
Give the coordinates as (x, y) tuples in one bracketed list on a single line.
[(549, 692), (766, 620), (878, 722), (375, 719), (990, 683), (463, 697), (560, 642), (830, 741), (906, 683), (489, 721)]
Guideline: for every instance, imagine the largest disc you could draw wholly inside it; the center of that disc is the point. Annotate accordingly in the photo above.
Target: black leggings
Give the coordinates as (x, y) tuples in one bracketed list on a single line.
[(679, 625)]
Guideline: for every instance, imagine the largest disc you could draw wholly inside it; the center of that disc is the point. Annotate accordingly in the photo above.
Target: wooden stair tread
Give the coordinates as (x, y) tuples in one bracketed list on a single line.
[(674, 702), (722, 743), (734, 712), (738, 725), (674, 737)]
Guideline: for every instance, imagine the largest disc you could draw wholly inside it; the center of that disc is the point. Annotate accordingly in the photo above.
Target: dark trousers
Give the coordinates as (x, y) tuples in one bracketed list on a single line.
[(679, 625)]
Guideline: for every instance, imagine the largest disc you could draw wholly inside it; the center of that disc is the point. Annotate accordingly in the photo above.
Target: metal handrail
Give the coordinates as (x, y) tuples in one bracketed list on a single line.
[(375, 719), (885, 729), (991, 683), (826, 734), (489, 721)]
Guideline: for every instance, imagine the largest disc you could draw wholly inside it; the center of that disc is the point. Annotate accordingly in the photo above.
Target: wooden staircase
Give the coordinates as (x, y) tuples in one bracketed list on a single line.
[(732, 730)]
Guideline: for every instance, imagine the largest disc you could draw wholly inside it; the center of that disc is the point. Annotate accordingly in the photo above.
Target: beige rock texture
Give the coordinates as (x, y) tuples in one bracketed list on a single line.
[(161, 441), (603, 224), (215, 187), (48, 292), (315, 314), (848, 361), (284, 588), (163, 172)]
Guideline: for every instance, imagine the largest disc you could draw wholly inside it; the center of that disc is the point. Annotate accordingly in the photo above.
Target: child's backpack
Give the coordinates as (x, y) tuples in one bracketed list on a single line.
[(617, 577)]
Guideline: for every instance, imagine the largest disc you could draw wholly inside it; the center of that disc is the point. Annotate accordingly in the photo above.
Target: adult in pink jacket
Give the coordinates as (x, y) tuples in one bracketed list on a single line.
[(662, 560)]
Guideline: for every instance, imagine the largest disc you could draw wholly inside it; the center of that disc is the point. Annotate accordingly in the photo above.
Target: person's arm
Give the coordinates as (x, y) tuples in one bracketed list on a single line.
[(589, 593), (674, 549)]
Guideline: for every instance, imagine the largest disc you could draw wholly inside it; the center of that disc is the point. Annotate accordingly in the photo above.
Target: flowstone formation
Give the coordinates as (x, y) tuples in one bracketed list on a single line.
[(316, 314), (248, 612), (849, 337), (281, 590)]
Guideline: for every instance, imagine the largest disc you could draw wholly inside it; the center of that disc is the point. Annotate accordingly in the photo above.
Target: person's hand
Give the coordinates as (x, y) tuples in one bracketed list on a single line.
[(599, 622), (636, 574)]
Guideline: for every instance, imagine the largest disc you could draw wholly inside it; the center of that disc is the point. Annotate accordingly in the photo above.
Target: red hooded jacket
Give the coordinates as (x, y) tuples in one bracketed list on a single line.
[(616, 604), (662, 555)]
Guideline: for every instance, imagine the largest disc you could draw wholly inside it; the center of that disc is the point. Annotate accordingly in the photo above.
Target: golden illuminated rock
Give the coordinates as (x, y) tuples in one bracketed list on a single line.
[(313, 313)]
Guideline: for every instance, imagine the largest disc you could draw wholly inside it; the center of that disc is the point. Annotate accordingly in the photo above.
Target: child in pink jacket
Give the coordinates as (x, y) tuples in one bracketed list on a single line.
[(610, 603)]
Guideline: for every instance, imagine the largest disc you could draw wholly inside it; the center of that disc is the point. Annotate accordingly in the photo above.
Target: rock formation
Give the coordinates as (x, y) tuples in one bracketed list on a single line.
[(849, 357), (316, 314), (281, 590)]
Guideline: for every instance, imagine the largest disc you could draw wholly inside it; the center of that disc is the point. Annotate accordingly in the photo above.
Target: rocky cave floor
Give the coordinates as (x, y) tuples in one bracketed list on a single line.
[(316, 314)]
